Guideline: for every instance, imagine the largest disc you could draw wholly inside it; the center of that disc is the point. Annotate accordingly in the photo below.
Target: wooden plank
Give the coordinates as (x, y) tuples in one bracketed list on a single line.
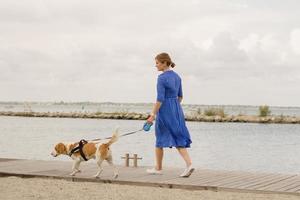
[(247, 180), (282, 185), (192, 180), (145, 177), (294, 187), (232, 179), (276, 178), (215, 179), (297, 189)]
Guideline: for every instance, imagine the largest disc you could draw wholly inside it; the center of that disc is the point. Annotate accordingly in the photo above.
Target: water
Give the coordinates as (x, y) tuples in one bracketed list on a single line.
[(222, 146)]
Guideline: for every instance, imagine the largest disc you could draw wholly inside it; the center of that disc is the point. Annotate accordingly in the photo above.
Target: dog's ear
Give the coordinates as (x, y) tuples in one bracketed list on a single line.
[(60, 148)]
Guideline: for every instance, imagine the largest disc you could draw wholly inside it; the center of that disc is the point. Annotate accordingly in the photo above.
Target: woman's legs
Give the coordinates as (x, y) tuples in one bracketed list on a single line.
[(159, 152), (185, 155)]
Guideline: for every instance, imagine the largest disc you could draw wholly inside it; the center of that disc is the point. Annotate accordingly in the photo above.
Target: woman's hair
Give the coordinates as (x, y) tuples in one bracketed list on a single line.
[(164, 57)]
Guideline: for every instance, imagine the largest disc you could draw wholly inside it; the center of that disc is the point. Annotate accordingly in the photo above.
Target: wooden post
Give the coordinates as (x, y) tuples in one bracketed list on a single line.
[(126, 159), (135, 158)]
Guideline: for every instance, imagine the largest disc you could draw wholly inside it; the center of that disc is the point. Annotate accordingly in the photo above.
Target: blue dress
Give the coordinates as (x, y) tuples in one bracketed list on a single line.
[(170, 127)]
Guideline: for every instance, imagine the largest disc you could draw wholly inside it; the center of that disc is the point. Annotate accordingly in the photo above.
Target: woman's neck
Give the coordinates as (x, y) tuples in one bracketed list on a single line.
[(167, 69)]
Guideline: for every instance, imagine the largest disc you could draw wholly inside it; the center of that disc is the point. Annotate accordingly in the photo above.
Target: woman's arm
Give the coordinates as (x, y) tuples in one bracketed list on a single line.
[(156, 108), (159, 99), (180, 93), (154, 111)]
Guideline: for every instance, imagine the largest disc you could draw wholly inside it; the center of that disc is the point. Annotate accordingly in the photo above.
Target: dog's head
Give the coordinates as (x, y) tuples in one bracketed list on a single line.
[(59, 149)]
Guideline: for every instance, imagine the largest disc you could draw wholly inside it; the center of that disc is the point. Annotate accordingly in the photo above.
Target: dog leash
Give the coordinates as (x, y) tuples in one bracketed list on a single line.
[(125, 134), (146, 127)]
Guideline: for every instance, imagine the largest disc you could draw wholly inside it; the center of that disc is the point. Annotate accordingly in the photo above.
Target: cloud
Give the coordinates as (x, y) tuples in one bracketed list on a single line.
[(62, 50), (295, 41)]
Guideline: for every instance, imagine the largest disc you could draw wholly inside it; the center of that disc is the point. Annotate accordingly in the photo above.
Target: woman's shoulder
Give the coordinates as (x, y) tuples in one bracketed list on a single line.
[(168, 74), (161, 76), (176, 75)]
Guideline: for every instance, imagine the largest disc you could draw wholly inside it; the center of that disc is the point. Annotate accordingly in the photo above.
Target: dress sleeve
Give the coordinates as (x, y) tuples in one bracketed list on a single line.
[(160, 87), (180, 90)]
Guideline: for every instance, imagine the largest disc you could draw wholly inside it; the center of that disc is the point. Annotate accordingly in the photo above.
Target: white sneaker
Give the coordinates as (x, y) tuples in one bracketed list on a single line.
[(188, 171), (154, 171)]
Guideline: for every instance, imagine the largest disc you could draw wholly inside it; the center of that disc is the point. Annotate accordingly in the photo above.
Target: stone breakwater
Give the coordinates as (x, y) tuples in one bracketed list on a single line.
[(143, 116)]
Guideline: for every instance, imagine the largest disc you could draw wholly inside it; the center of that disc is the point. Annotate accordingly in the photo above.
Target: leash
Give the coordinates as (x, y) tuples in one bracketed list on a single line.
[(146, 127), (125, 134)]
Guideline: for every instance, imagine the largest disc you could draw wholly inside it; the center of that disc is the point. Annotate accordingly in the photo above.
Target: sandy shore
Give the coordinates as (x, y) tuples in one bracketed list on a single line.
[(39, 188)]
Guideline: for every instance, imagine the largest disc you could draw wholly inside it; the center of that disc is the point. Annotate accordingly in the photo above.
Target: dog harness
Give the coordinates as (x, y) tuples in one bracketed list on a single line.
[(79, 148)]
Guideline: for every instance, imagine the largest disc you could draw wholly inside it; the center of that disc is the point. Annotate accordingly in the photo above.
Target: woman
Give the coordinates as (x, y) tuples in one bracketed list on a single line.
[(170, 128)]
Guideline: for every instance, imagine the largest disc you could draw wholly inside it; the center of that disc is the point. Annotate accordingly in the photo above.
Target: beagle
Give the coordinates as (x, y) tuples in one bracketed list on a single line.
[(98, 151)]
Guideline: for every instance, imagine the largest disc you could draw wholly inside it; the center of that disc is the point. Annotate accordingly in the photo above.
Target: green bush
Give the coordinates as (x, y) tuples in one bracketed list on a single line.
[(214, 111), (264, 111)]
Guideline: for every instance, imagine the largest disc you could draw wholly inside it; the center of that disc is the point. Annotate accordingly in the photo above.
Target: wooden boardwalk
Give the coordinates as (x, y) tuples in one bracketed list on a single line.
[(201, 179)]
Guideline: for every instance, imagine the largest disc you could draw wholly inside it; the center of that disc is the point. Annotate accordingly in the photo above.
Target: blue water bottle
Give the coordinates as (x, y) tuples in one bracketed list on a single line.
[(147, 126)]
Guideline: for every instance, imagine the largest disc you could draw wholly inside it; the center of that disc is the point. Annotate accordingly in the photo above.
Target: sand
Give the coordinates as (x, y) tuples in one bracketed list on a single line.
[(43, 188)]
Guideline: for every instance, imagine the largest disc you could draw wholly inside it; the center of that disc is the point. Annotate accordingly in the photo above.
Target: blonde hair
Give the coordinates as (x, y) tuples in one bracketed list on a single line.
[(164, 57)]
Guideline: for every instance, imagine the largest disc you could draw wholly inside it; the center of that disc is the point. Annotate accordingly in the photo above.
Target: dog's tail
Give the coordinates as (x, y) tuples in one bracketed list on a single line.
[(114, 137)]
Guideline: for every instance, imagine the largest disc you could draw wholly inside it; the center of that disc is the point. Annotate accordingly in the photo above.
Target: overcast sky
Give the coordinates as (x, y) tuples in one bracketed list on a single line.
[(226, 51)]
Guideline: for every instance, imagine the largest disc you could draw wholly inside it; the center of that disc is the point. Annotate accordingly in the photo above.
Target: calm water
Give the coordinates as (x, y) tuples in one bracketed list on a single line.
[(230, 146)]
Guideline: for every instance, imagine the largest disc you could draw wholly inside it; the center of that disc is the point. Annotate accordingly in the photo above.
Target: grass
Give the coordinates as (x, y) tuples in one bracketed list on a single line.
[(215, 112), (264, 110)]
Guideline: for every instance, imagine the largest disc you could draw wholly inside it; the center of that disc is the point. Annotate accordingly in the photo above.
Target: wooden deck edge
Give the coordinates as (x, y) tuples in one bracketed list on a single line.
[(151, 184)]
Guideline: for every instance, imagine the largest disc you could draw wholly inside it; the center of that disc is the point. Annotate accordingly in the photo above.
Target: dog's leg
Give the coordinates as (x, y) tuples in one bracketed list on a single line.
[(110, 162), (99, 163), (75, 166)]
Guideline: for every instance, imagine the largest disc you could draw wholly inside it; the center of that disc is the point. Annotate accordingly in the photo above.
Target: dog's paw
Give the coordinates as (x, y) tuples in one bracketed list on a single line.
[(72, 174), (96, 176), (115, 176), (78, 170)]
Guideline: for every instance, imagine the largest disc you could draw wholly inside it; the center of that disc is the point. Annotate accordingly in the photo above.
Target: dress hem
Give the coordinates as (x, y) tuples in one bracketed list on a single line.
[(164, 146)]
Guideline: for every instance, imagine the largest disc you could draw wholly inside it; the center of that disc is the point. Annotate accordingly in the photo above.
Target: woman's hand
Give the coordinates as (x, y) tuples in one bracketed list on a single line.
[(151, 118)]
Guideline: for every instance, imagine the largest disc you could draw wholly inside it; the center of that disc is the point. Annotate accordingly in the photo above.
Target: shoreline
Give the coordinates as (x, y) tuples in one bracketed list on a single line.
[(278, 119)]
